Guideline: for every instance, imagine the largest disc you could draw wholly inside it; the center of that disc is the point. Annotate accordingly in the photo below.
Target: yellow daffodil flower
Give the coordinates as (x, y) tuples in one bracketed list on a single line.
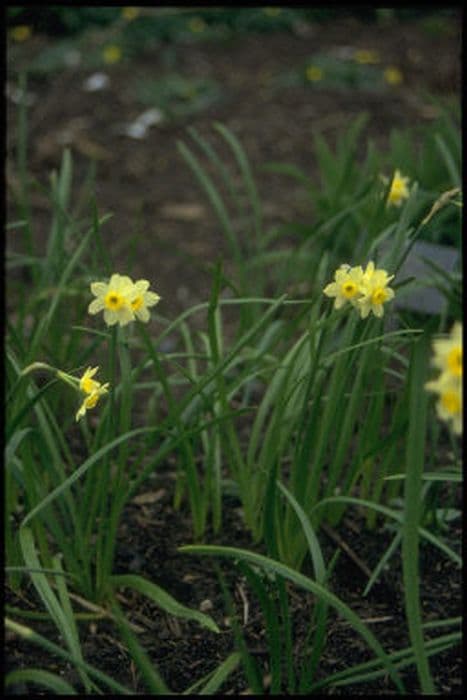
[(122, 300), (112, 54), (346, 285), (374, 291), (447, 357), (86, 383), (91, 388), (399, 189), (272, 11), (448, 352), (197, 25), (393, 76), (142, 300), (449, 405), (366, 290), (365, 56), (114, 299), (130, 13), (314, 74), (91, 399), (22, 32)]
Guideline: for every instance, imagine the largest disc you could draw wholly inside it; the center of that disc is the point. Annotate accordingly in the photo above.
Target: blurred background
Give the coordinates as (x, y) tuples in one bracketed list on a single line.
[(121, 86)]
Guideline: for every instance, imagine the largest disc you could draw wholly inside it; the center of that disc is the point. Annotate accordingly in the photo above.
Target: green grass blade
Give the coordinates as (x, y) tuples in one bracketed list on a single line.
[(215, 680), (247, 174), (395, 516), (39, 677), (82, 470), (29, 635), (304, 582), (154, 682), (415, 457), (163, 599)]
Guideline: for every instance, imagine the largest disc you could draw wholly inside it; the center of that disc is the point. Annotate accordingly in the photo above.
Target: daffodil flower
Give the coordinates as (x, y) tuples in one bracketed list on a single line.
[(374, 291), (399, 190), (142, 300), (112, 54), (87, 384), (91, 399), (448, 352), (346, 285), (393, 76), (91, 388), (366, 290), (114, 299), (449, 404), (122, 300), (447, 357), (130, 13), (314, 73)]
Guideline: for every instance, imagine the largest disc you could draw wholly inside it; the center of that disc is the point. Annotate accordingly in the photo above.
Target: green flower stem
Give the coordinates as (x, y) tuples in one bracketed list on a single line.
[(100, 493), (108, 526)]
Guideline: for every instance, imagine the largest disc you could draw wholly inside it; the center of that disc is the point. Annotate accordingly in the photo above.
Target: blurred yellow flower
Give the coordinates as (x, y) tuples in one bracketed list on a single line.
[(22, 32), (314, 73), (448, 352), (447, 357), (365, 56), (112, 54), (399, 189), (449, 405), (393, 76), (130, 13), (197, 25), (272, 11)]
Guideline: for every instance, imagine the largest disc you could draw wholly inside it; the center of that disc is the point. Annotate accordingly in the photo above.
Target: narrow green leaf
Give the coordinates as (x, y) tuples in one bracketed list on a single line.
[(39, 677), (309, 585), (163, 599)]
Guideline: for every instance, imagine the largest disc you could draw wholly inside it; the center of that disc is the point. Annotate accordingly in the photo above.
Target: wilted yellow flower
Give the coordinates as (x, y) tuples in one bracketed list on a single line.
[(86, 383), (92, 389), (314, 73), (143, 300), (91, 399), (114, 299), (112, 54), (399, 189), (22, 32), (130, 13), (366, 56), (374, 291), (346, 285), (393, 76)]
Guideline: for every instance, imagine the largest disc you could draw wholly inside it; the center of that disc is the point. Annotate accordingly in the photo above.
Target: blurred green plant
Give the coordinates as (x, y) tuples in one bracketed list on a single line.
[(178, 97)]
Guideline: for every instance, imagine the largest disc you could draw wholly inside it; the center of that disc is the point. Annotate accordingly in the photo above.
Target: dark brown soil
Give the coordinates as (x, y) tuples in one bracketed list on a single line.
[(151, 192)]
